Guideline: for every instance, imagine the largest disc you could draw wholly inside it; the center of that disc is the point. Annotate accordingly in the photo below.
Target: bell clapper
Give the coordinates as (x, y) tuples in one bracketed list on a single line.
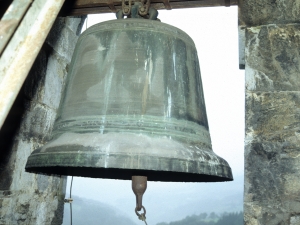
[(139, 186)]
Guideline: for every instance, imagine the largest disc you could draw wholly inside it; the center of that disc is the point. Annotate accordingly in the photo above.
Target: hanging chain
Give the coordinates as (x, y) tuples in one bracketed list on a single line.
[(141, 216), (126, 8), (137, 9), (144, 8)]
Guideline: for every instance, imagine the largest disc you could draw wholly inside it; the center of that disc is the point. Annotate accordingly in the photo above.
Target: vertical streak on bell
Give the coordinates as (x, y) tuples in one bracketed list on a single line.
[(133, 102)]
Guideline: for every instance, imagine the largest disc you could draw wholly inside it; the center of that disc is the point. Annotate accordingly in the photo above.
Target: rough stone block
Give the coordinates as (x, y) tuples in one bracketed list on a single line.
[(271, 184), (7, 168), (273, 116), (54, 82), (33, 85), (75, 23), (38, 122), (295, 220), (20, 177), (259, 178), (22, 202), (267, 217), (5, 206), (262, 12), (272, 58), (293, 203), (63, 40), (251, 213), (254, 214), (45, 84)]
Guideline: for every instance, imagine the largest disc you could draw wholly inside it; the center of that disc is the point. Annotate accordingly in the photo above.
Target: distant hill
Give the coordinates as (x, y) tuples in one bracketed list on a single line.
[(198, 198), (90, 212), (164, 202), (211, 219)]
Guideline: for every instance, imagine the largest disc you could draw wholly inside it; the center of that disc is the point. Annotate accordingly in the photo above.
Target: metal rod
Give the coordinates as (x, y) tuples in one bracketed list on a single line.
[(71, 219), (71, 188), (21, 51)]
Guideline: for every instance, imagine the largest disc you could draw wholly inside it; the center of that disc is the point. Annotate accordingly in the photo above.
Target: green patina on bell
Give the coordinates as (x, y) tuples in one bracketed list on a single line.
[(133, 104)]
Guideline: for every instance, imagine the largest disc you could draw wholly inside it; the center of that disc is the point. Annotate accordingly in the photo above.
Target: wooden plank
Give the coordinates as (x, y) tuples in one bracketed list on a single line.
[(11, 20), (21, 51), (83, 7)]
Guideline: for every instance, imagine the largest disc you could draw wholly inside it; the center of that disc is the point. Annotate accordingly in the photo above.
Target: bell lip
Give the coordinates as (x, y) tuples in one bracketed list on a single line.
[(201, 173), (112, 173)]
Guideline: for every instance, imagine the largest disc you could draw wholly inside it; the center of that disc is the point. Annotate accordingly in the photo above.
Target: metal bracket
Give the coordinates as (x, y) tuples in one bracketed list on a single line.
[(111, 5), (167, 4), (227, 3)]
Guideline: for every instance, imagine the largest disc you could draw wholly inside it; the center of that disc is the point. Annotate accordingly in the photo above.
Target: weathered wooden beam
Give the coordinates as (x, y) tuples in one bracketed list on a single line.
[(21, 51), (11, 20), (82, 7)]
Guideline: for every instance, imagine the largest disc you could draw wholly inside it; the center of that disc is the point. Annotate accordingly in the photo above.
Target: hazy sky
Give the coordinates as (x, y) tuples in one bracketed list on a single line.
[(214, 31)]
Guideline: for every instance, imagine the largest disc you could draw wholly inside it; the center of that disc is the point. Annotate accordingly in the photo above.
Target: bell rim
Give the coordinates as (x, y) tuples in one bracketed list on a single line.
[(107, 173), (179, 170)]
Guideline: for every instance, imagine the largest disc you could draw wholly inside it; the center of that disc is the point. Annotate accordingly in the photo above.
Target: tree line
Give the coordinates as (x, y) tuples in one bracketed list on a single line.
[(210, 219)]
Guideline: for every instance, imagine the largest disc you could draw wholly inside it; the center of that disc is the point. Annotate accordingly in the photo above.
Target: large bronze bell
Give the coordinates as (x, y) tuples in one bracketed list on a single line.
[(133, 105)]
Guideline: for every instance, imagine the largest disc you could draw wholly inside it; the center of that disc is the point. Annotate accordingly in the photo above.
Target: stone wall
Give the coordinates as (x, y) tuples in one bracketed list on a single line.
[(29, 198), (264, 12), (272, 149)]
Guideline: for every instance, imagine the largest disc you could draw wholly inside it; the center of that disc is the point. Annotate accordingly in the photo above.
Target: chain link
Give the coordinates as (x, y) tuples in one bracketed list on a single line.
[(137, 9), (141, 216)]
